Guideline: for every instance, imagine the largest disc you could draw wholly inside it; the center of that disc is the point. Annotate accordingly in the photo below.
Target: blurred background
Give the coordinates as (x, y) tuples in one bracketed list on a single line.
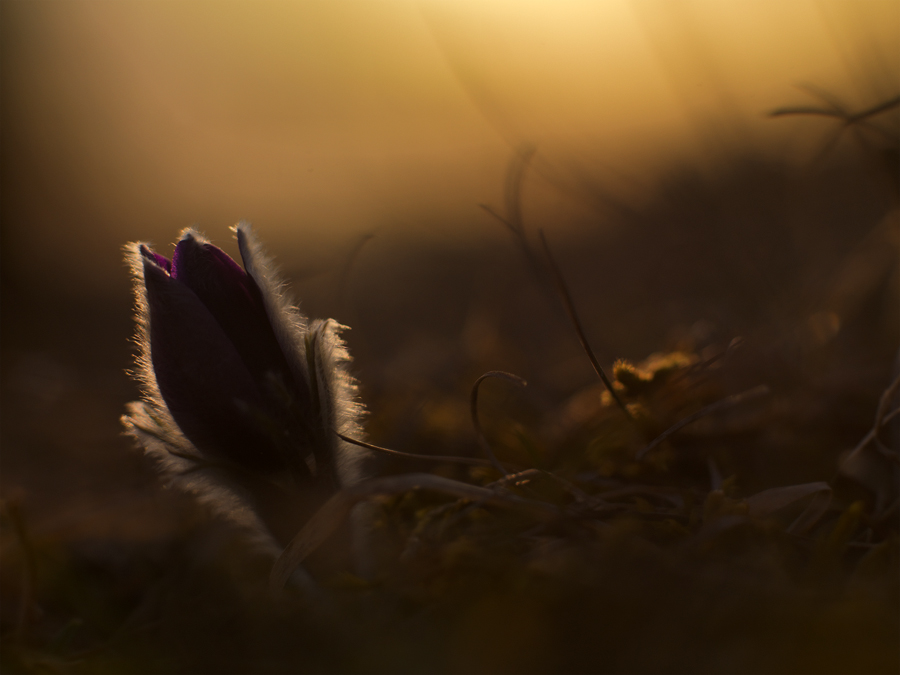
[(322, 121), (361, 138)]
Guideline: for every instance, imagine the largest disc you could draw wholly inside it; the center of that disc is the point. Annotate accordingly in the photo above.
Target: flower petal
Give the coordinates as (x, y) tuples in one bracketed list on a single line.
[(289, 326), (160, 260), (234, 299), (201, 375)]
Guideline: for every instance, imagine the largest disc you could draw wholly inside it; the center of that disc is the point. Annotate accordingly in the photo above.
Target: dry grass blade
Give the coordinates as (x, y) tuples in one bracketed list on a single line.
[(671, 495), (865, 463), (767, 502), (482, 440), (443, 459), (576, 322), (812, 513), (891, 415), (337, 509), (718, 406), (882, 416)]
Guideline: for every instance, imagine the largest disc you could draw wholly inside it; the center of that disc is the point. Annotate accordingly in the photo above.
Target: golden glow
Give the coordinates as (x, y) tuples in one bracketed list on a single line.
[(344, 116)]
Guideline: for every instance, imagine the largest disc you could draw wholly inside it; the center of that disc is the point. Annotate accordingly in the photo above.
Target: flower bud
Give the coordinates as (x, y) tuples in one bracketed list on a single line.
[(242, 395)]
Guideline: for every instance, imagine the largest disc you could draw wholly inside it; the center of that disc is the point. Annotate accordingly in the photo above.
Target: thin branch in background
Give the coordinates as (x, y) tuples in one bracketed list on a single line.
[(838, 111), (826, 97), (515, 178), (718, 406), (833, 108), (576, 322), (482, 440), (512, 196), (512, 220), (879, 108), (505, 221)]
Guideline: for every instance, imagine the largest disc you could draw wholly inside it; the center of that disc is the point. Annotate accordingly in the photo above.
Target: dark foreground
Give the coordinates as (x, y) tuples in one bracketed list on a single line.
[(676, 558)]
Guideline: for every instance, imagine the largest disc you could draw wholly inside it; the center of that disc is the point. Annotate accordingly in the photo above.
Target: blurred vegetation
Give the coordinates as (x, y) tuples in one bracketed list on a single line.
[(741, 516)]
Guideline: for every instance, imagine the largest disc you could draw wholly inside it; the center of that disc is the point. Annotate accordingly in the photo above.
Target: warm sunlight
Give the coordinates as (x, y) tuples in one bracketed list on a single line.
[(341, 117)]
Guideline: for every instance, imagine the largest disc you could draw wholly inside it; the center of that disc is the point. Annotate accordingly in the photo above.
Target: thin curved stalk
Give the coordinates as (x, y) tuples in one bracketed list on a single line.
[(443, 459), (576, 322)]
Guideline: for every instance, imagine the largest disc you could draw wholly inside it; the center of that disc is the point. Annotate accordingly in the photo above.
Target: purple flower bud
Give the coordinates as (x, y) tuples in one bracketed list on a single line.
[(235, 301), (202, 377), (242, 395)]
